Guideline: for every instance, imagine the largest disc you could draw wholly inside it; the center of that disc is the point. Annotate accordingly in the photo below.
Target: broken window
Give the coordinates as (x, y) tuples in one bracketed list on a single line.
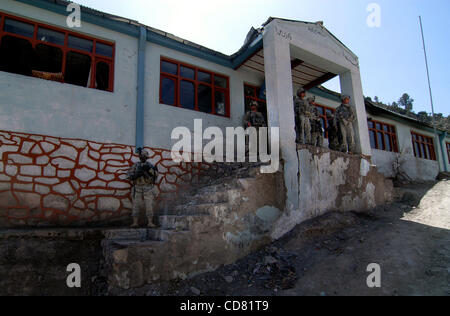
[(102, 75), (16, 55), (49, 59), (78, 69), (33, 49)]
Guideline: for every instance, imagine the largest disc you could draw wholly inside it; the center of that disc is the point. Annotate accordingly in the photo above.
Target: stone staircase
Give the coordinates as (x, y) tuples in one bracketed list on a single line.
[(190, 237)]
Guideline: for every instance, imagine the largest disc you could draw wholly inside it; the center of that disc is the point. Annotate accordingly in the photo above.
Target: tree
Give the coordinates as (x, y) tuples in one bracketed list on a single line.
[(376, 99), (406, 102), (423, 116)]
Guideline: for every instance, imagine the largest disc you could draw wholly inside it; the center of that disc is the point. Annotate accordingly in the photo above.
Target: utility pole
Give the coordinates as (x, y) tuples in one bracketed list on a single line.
[(431, 94)]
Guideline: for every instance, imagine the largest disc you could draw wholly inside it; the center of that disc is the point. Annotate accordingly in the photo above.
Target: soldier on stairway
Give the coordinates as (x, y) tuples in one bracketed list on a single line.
[(143, 175)]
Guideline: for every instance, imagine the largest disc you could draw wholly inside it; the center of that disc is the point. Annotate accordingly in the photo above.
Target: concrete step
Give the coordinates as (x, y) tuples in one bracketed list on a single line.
[(213, 209), (207, 198), (126, 234), (165, 235), (179, 222), (130, 243)]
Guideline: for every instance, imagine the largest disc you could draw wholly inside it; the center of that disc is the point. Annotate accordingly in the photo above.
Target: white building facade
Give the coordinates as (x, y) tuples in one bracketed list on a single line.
[(77, 101)]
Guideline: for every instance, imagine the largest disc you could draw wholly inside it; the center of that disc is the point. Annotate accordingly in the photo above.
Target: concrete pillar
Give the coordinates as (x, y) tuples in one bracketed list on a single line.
[(280, 107), (351, 85)]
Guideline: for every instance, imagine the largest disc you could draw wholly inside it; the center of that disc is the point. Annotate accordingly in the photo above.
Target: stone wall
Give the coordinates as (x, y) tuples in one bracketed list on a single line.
[(58, 181)]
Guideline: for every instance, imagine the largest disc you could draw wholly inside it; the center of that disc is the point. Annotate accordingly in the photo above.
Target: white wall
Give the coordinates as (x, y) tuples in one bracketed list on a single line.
[(160, 118), (416, 169), (37, 106), (65, 110)]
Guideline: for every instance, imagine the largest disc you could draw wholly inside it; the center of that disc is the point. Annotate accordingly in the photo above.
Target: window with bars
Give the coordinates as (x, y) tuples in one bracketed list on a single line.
[(42, 51), (423, 146), (253, 93), (383, 136), (190, 87), (323, 110)]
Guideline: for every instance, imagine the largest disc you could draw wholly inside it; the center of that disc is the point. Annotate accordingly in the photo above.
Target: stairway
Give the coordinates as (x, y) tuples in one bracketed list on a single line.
[(188, 239)]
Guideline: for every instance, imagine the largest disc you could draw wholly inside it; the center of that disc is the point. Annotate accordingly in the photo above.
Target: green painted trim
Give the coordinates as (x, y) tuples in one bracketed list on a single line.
[(325, 94)]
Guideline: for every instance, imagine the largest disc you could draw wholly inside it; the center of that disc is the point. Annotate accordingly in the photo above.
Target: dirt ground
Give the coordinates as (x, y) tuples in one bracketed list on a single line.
[(329, 256)]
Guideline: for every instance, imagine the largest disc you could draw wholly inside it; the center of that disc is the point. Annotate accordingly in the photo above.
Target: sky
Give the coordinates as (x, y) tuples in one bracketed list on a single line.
[(391, 56)]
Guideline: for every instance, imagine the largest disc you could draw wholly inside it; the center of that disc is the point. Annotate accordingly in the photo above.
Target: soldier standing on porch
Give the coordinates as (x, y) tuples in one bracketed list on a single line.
[(143, 175), (302, 116), (255, 119), (346, 117), (317, 131)]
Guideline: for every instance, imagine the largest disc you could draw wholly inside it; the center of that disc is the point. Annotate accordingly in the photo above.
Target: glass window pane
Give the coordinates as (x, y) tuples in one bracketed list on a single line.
[(372, 139), (220, 103), (387, 141), (394, 143), (426, 151), (328, 111), (386, 128), (321, 110), (378, 126), (371, 124), (49, 58), (187, 95), (392, 129), (103, 49), (380, 141), (16, 55), (417, 148), (19, 28), (81, 43), (102, 76), (78, 69), (169, 68), (204, 77), (168, 91), (204, 99), (220, 82), (50, 36), (188, 73)]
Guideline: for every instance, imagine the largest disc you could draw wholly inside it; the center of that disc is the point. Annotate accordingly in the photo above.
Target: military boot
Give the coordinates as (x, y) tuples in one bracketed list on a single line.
[(135, 222)]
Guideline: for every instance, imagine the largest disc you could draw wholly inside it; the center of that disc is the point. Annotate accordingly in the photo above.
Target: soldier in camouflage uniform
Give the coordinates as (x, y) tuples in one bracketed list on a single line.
[(253, 118), (316, 124), (345, 116), (333, 132), (302, 116), (143, 175)]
